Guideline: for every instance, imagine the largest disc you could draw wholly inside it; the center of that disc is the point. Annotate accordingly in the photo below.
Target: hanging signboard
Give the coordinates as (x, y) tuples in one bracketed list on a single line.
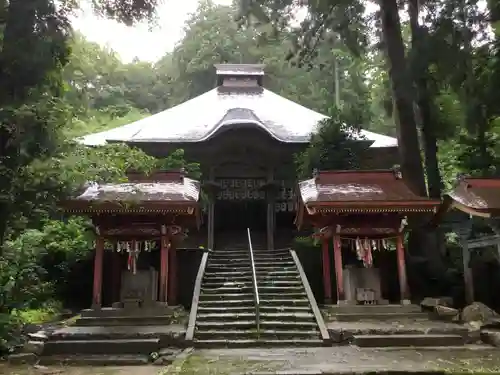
[(247, 189)]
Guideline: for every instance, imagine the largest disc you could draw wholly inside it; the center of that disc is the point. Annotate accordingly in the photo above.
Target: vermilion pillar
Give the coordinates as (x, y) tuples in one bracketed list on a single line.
[(403, 282), (163, 269), (327, 280), (97, 290), (172, 291), (339, 275)]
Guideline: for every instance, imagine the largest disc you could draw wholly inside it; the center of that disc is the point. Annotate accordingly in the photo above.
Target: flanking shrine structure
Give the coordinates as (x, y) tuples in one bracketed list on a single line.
[(141, 223), (364, 213)]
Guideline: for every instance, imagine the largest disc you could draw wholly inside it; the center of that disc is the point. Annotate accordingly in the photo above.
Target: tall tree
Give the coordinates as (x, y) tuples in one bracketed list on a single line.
[(34, 48)]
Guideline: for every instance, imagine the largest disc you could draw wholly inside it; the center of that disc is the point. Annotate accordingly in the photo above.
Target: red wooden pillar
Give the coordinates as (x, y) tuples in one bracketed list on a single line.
[(98, 260), (327, 280), (403, 282), (172, 274), (339, 274), (163, 268)]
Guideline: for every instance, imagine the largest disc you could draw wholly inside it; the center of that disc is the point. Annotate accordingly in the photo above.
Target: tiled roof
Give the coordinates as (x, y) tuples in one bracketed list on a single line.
[(162, 189), (482, 194), (200, 118), (360, 189)]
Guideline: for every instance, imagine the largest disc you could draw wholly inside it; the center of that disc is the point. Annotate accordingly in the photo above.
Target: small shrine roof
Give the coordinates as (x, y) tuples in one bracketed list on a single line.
[(226, 107), (475, 196), (160, 191), (361, 191)]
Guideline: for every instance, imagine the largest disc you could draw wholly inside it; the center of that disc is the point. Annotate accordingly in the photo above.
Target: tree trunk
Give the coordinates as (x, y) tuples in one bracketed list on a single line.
[(420, 69), (409, 150)]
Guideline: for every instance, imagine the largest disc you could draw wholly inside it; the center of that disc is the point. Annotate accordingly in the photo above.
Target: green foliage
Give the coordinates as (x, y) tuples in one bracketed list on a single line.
[(331, 148)]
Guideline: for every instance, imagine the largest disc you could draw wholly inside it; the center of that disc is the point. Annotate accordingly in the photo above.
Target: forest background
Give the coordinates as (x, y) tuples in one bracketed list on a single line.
[(427, 72)]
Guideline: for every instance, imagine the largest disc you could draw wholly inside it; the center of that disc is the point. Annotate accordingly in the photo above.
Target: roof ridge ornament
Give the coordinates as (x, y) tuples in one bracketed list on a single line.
[(461, 177), (315, 174), (396, 169)]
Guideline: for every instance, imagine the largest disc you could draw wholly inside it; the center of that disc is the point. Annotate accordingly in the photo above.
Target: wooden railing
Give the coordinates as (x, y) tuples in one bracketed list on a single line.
[(196, 298), (254, 282)]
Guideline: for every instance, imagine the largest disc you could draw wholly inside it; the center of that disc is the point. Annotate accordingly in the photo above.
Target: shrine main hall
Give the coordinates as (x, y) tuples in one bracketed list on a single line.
[(247, 248)]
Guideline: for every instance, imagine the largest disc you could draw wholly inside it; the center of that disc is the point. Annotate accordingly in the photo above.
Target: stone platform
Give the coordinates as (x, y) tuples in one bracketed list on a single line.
[(392, 326), (131, 336)]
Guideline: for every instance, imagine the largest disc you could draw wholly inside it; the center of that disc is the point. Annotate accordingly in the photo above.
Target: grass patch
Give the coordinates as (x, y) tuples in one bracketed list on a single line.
[(196, 364), (47, 313)]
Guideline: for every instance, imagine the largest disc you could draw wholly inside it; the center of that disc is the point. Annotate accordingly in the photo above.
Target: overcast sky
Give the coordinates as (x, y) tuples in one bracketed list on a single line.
[(140, 41)]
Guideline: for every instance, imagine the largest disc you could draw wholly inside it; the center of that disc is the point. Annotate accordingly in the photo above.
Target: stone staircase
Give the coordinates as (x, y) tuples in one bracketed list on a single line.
[(226, 315)]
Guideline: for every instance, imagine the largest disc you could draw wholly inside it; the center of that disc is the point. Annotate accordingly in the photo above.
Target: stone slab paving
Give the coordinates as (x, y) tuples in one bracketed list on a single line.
[(341, 360)]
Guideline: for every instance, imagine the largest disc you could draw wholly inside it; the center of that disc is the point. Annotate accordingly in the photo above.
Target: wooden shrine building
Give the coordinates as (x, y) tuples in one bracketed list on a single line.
[(361, 212), (141, 223), (245, 138), (474, 200)]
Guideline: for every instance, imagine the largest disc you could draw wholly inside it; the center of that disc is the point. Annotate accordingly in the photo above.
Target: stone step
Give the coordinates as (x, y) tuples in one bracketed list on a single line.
[(120, 312), (127, 346), (368, 316), (290, 316), (132, 320), (271, 252), (277, 273), (284, 301), (231, 316), (274, 263), (251, 324), (227, 276), (226, 317), (272, 259), (227, 303), (232, 309), (274, 254), (225, 255), (226, 297), (227, 284), (95, 360), (273, 268), (373, 341), (229, 253), (227, 266), (227, 261), (73, 333), (264, 334), (377, 309), (289, 295), (280, 289), (288, 325), (250, 309), (227, 289), (232, 325), (279, 282), (256, 343)]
